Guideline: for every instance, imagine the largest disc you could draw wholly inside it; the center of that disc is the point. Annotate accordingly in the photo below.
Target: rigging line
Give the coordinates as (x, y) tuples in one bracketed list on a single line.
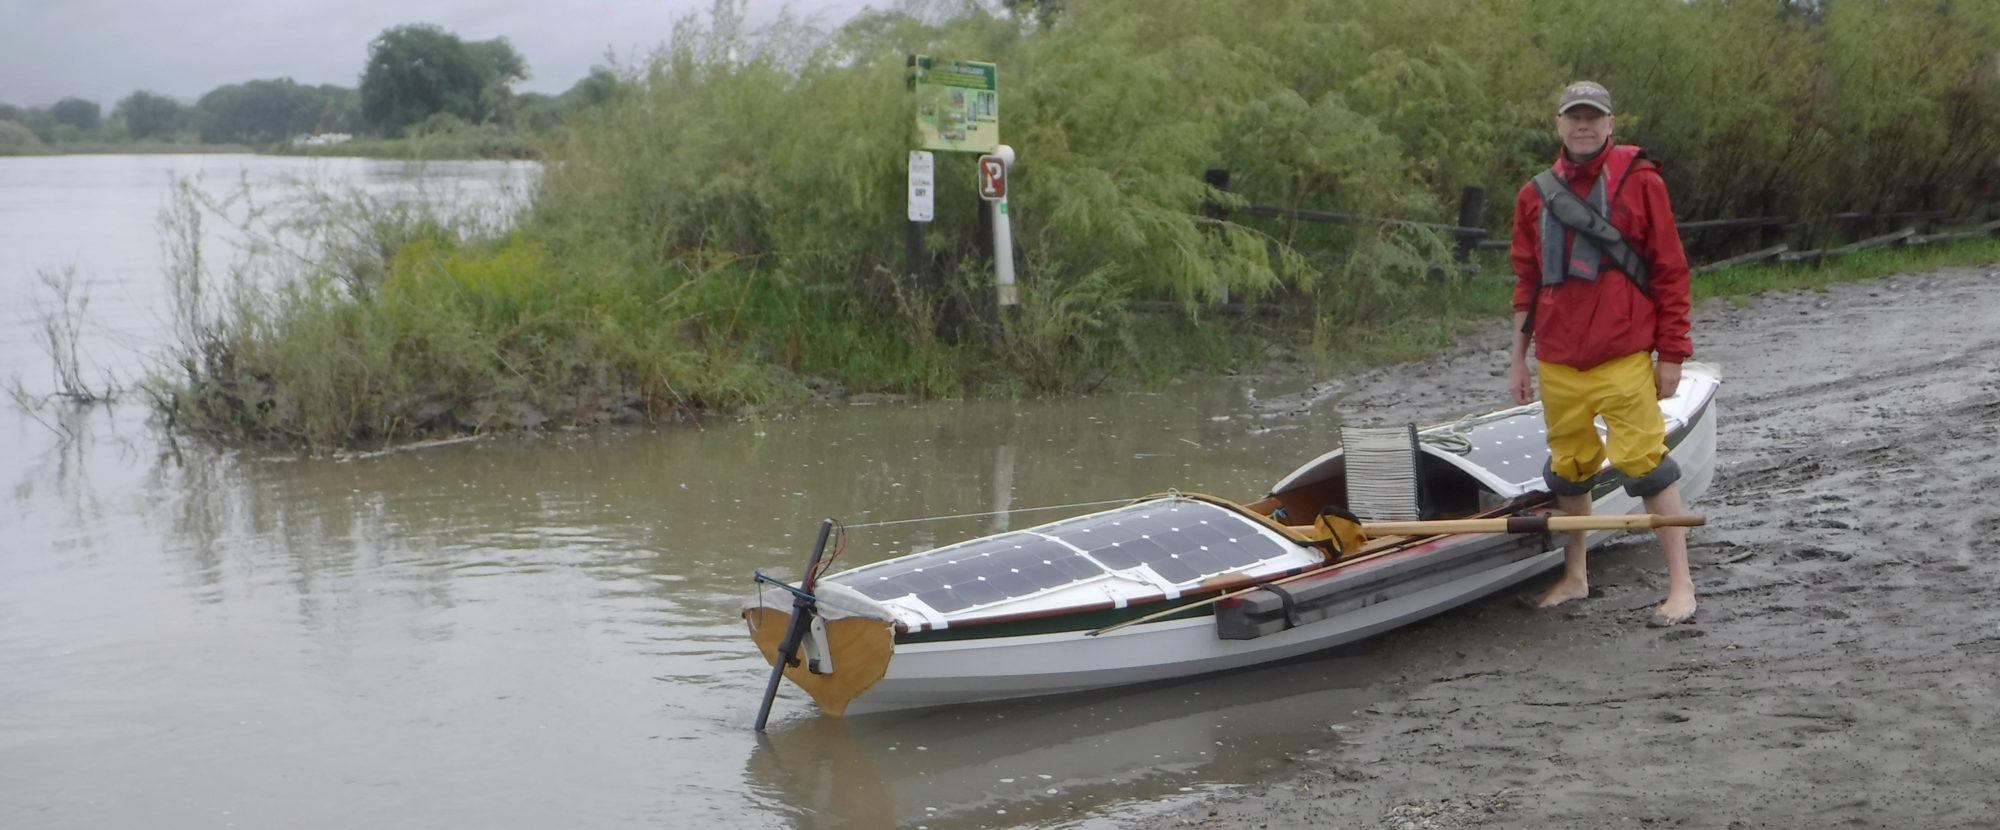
[(990, 513), (827, 563)]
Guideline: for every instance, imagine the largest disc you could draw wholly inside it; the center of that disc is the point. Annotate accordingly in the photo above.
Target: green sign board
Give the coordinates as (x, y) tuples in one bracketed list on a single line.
[(958, 105)]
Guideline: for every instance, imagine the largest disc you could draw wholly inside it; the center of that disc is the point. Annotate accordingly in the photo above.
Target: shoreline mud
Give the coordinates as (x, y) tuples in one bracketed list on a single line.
[(1843, 665)]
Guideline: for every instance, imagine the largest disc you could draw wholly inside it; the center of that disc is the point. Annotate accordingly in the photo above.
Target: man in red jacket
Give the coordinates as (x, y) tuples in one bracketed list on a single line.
[(1601, 286)]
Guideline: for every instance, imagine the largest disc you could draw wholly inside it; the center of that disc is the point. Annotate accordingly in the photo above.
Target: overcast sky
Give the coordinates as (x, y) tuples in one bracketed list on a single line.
[(103, 50)]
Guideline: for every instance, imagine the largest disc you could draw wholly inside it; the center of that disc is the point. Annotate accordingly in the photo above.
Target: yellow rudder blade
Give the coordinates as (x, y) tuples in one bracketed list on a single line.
[(861, 648)]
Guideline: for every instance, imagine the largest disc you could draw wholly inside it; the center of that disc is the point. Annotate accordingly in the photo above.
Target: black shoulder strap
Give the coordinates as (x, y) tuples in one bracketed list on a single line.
[(1577, 215)]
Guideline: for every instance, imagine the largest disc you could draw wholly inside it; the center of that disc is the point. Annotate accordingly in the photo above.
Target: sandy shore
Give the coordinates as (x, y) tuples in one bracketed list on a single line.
[(1842, 669)]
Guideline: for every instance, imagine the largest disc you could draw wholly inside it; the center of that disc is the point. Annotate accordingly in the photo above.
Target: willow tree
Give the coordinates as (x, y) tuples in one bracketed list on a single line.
[(420, 70)]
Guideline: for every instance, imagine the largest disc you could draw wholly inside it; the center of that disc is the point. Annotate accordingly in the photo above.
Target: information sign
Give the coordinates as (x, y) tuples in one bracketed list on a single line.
[(958, 105)]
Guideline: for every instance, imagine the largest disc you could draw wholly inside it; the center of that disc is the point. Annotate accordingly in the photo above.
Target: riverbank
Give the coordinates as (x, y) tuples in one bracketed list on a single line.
[(474, 143), (1847, 641), (122, 148)]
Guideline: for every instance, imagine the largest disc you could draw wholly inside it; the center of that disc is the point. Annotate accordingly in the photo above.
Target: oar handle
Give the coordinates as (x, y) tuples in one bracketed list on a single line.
[(1533, 524)]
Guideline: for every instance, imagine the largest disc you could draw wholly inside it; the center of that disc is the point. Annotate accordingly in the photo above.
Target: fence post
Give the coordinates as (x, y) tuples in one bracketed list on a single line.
[(913, 257), (1218, 178), (1771, 235), (986, 229), (1471, 207)]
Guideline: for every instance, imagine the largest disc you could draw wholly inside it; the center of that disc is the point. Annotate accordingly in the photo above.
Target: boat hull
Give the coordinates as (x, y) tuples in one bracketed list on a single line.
[(971, 671)]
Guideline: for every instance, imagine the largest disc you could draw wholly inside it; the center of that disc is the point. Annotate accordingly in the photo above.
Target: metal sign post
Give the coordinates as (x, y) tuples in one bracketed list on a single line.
[(993, 188), (923, 203)]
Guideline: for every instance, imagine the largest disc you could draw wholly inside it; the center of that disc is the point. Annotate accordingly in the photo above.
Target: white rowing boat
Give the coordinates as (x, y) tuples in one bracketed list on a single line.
[(1178, 585)]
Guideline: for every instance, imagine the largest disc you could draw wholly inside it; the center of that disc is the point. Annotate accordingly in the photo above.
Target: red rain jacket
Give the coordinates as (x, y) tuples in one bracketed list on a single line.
[(1582, 323)]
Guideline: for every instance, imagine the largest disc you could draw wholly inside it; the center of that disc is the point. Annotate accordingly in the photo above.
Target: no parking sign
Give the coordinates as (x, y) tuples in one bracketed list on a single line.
[(992, 178)]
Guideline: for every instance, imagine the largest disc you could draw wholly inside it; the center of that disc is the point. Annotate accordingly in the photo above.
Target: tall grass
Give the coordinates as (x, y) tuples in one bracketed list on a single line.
[(730, 228), (405, 322)]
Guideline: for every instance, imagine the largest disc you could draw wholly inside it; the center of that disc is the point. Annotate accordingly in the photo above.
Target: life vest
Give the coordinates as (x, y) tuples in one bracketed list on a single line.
[(1596, 238)]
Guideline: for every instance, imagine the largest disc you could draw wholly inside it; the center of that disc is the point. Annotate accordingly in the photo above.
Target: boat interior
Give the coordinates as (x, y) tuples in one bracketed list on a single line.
[(1442, 491)]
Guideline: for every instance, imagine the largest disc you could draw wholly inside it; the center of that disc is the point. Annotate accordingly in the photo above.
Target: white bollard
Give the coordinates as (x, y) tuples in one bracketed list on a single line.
[(1003, 239)]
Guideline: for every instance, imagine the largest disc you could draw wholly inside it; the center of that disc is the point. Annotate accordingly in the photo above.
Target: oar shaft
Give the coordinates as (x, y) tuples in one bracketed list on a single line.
[(1533, 524), (1378, 531)]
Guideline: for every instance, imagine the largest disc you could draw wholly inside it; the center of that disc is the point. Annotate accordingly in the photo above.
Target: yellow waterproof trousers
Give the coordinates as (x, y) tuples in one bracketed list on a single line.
[(1623, 392)]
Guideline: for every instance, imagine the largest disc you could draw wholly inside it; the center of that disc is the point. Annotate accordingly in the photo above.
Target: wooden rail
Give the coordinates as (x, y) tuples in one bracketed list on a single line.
[(1470, 237)]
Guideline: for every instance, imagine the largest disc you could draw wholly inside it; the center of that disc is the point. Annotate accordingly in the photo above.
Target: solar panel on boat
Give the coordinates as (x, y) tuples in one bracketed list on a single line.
[(1179, 539), (1514, 448)]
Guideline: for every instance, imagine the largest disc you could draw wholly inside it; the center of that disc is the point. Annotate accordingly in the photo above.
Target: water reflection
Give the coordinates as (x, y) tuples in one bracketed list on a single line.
[(678, 517), (1036, 762)]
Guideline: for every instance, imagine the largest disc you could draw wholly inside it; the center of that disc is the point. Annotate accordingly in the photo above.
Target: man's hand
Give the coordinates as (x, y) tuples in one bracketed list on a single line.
[(1667, 378), (1520, 383)]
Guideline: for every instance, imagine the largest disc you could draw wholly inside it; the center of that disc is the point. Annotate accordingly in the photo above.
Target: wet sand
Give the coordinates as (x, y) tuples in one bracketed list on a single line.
[(1844, 666)]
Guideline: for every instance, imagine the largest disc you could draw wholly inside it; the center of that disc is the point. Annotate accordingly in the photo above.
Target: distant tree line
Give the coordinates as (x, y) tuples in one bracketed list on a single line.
[(418, 78)]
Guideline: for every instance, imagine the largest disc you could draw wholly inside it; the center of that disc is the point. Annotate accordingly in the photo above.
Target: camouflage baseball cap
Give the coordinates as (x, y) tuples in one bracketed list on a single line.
[(1585, 93)]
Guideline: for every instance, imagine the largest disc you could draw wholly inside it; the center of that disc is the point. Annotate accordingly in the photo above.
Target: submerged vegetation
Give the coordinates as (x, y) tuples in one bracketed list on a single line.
[(727, 227)]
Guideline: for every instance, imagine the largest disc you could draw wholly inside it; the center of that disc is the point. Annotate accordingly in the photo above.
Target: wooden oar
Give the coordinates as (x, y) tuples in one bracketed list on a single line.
[(1532, 524), (1371, 551), (1389, 537)]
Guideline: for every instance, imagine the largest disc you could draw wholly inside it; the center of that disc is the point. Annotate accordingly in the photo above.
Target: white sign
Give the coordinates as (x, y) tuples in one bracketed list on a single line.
[(922, 186)]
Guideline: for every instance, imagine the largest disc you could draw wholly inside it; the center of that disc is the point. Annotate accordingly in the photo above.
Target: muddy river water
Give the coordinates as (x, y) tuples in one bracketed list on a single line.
[(540, 631)]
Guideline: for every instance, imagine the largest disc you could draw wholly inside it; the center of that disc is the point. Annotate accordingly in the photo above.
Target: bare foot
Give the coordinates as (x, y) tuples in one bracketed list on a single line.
[(1674, 611), (1563, 591)]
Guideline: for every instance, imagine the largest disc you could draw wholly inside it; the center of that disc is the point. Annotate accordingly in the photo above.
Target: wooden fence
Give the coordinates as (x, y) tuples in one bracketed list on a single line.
[(1913, 228)]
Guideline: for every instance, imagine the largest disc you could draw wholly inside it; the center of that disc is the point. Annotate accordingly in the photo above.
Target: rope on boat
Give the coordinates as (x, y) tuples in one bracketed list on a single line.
[(1456, 443), (991, 513), (758, 576), (1456, 437)]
